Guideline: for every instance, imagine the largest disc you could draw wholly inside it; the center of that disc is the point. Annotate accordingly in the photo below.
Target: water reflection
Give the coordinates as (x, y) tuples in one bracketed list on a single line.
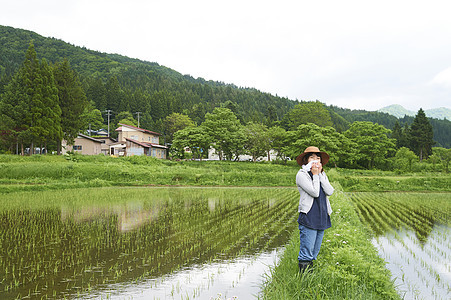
[(420, 270), (387, 212), (241, 278), (84, 247), (412, 234)]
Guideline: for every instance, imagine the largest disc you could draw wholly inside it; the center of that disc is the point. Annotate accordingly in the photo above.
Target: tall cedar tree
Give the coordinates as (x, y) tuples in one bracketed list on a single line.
[(421, 135), (30, 104), (26, 87), (47, 111), (14, 112), (72, 100)]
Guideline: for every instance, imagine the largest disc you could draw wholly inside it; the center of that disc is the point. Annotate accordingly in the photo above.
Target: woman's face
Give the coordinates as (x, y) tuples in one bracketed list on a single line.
[(313, 157)]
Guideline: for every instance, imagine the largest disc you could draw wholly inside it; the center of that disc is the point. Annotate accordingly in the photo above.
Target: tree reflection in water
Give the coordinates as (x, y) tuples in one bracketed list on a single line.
[(118, 236)]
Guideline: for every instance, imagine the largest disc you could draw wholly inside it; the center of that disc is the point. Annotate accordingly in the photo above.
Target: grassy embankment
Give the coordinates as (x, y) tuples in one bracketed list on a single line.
[(348, 268), (60, 172)]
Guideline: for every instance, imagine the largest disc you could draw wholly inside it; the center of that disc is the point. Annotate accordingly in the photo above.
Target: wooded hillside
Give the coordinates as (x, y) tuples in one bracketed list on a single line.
[(120, 83), (131, 87)]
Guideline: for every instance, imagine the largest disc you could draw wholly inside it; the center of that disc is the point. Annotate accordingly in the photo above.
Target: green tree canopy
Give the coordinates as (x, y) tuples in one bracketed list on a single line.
[(404, 159), (92, 118), (307, 112), (400, 135), (30, 104), (234, 108), (325, 138), (372, 142), (96, 92), (175, 122), (46, 109), (224, 130), (124, 117), (443, 155), (277, 138), (195, 138), (257, 142)]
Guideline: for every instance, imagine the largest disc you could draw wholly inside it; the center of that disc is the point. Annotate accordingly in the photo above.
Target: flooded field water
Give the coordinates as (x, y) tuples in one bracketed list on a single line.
[(412, 234), (142, 243)]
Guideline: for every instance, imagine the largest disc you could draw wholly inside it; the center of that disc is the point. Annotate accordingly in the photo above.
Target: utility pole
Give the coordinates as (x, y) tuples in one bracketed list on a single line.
[(138, 112), (108, 111)]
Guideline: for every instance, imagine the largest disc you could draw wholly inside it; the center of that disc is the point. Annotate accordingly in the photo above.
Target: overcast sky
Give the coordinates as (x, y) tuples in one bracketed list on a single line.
[(352, 54)]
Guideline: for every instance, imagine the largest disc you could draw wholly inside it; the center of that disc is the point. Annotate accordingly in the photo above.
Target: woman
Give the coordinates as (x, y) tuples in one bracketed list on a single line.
[(314, 206)]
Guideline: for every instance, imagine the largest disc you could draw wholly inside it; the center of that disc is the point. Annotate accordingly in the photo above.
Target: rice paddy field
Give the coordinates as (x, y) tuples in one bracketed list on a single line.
[(136, 228), (141, 243), (412, 234)]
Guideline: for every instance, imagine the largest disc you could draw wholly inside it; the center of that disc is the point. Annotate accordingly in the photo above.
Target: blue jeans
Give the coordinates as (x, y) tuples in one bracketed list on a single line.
[(311, 240)]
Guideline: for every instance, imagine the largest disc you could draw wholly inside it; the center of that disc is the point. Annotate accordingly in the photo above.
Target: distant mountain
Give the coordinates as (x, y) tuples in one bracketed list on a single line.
[(439, 113), (399, 112)]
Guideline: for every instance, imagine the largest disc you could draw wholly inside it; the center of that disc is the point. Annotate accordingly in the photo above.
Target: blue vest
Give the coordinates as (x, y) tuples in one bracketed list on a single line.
[(317, 218)]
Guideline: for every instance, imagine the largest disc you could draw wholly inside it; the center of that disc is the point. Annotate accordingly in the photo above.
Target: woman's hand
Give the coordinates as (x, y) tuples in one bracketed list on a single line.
[(316, 168), (320, 167)]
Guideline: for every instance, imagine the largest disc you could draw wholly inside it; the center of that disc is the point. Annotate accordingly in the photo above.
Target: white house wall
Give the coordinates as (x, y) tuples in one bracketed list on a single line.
[(212, 155), (135, 151)]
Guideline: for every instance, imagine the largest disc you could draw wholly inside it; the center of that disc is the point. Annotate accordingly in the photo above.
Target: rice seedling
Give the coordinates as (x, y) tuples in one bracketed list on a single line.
[(63, 244), (412, 233)]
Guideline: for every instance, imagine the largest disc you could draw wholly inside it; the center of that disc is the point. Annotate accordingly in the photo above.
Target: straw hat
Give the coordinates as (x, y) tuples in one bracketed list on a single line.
[(312, 149)]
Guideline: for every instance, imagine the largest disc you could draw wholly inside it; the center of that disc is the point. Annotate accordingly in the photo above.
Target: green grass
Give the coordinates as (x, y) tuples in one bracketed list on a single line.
[(348, 266), (56, 172), (383, 181), (45, 172)]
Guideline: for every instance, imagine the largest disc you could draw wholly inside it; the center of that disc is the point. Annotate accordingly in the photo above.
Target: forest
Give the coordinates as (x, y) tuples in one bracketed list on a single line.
[(78, 88)]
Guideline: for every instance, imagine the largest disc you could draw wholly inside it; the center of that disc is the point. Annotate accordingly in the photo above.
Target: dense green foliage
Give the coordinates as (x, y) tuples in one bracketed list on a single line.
[(363, 145), (29, 109), (120, 83), (371, 141), (441, 128), (71, 99), (131, 89), (307, 112)]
